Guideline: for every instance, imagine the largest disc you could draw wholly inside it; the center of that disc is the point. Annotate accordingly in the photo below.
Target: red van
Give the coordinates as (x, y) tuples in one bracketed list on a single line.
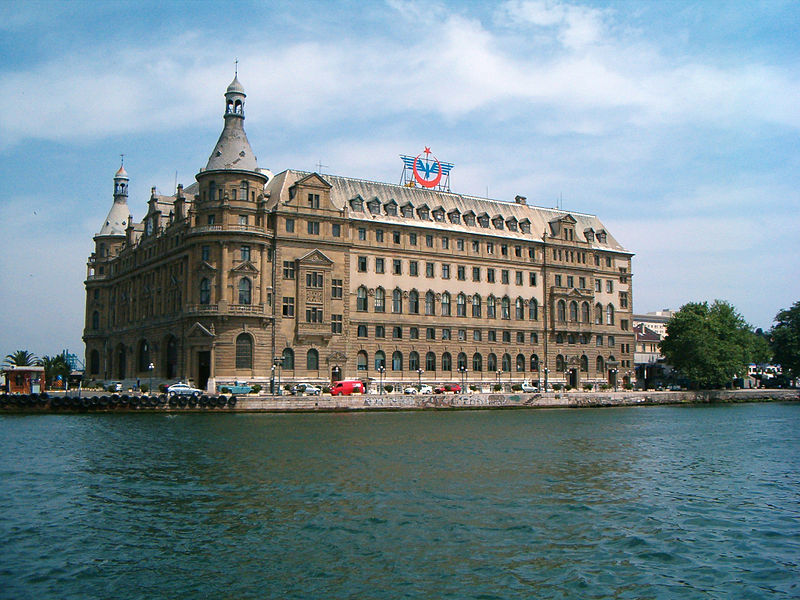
[(347, 387)]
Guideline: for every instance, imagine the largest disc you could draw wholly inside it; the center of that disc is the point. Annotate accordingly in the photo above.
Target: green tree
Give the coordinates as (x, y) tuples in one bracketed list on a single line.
[(53, 367), (710, 345), (785, 340), (21, 358)]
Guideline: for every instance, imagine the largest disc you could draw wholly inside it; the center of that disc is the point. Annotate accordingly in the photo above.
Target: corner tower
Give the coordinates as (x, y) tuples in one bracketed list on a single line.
[(112, 232)]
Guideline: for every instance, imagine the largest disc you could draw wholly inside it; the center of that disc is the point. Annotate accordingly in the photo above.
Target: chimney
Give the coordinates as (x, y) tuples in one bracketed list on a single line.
[(521, 200)]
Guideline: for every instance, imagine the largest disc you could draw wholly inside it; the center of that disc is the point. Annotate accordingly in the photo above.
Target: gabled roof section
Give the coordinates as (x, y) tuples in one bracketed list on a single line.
[(313, 180), (198, 330), (315, 257), (245, 267)]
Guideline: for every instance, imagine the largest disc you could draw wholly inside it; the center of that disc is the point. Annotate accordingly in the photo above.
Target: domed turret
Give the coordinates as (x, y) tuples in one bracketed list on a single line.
[(117, 218), (233, 151)]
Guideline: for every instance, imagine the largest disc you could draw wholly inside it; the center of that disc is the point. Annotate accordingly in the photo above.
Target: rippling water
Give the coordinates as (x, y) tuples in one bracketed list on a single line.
[(648, 502)]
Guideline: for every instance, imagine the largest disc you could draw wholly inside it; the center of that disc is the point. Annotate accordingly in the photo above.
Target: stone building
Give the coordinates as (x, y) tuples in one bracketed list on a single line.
[(306, 276)]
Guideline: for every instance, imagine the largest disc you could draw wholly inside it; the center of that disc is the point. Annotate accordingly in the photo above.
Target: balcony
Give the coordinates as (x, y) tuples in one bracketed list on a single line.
[(254, 310), (313, 330)]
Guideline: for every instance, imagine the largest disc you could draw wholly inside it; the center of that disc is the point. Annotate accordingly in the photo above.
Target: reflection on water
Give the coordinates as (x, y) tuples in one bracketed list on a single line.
[(656, 502)]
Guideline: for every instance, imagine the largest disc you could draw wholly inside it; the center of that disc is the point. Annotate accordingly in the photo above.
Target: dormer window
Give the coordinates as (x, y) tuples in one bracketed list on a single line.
[(357, 204), (589, 234), (374, 206), (391, 208), (407, 210), (469, 219), (483, 220), (511, 224), (498, 222), (423, 213), (454, 216), (525, 226), (601, 236), (438, 214)]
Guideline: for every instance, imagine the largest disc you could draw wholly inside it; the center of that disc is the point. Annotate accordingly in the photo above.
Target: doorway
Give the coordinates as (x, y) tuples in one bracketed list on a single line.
[(203, 368)]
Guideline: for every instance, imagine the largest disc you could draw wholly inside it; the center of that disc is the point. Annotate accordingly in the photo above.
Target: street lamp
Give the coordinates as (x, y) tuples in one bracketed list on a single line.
[(381, 371), (614, 373), (278, 362), (498, 373), (546, 371), (150, 368), (463, 370), (420, 371)]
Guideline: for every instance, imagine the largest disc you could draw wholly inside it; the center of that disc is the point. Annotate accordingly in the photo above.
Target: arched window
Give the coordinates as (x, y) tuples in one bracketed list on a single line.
[(95, 320), (534, 362), (361, 361), (430, 361), (430, 303), (573, 311), (244, 351), (601, 368), (571, 338), (506, 362), (413, 361), (144, 356), (519, 309), (380, 300), (533, 309), (477, 362), (534, 337), (491, 307), (94, 362), (446, 304), (491, 362), (245, 287), (413, 302), (585, 313), (380, 360), (461, 305), (476, 305), (397, 361), (288, 358), (312, 360), (562, 311), (559, 338), (361, 299), (397, 301), (584, 364), (560, 365), (462, 361), (447, 362), (362, 331), (205, 291), (598, 314), (505, 308), (520, 363), (610, 314)]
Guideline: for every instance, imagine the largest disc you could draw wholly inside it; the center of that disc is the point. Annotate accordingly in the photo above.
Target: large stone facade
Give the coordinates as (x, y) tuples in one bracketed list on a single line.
[(344, 278)]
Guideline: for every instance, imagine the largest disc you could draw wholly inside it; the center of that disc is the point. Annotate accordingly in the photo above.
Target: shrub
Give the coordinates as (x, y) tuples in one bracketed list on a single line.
[(605, 387), (255, 388), (557, 386), (144, 388), (326, 390), (628, 386), (473, 388), (516, 387), (587, 387), (225, 390), (497, 387), (388, 387)]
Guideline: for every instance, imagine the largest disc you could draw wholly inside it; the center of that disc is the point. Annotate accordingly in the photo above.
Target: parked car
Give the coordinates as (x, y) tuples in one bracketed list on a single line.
[(183, 389), (528, 387), (422, 389), (347, 387), (115, 386), (302, 389), (448, 387)]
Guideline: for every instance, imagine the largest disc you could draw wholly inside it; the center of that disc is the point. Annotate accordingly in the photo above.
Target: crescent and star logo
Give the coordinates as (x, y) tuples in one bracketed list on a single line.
[(428, 167)]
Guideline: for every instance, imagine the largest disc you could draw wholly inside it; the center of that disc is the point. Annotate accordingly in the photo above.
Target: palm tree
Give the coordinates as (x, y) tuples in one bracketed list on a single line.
[(21, 358), (53, 367)]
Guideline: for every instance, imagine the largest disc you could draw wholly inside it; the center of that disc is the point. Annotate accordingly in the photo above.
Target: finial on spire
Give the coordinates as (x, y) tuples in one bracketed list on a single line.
[(236, 67), (121, 160)]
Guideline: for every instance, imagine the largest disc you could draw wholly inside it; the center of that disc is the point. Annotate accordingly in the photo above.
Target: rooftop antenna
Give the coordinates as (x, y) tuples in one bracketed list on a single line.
[(121, 160), (236, 68), (320, 166), (175, 187)]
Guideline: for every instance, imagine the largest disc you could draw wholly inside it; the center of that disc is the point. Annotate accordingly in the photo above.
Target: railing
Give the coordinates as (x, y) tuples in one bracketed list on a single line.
[(231, 227), (232, 309)]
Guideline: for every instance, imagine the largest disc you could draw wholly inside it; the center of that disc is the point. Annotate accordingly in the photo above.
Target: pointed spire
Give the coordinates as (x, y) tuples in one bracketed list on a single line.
[(115, 222), (233, 150)]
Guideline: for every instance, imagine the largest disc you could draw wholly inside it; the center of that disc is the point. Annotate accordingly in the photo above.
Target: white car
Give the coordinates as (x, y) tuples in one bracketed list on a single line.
[(302, 389), (413, 389), (183, 389), (529, 387)]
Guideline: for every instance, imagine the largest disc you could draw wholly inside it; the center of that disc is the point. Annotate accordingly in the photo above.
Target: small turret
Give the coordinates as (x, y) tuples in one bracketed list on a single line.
[(117, 219), (120, 183), (233, 151)]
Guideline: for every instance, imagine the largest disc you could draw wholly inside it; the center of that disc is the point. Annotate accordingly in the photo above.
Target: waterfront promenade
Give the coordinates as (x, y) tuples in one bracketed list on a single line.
[(383, 402)]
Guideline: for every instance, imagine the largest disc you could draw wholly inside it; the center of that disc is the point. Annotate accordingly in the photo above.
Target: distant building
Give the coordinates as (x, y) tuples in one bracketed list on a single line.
[(24, 379), (656, 321), (323, 277)]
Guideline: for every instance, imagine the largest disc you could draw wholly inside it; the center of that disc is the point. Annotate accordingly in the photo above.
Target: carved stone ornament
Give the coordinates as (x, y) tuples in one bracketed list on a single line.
[(371, 292), (405, 294)]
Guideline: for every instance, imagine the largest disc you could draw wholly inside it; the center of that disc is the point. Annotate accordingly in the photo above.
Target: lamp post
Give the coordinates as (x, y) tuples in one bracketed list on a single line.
[(381, 371), (463, 370), (420, 371), (497, 375), (278, 362), (272, 380), (150, 368), (614, 373), (546, 371)]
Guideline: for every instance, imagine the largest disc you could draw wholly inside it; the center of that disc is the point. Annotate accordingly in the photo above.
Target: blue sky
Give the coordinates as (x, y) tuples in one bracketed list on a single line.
[(675, 122)]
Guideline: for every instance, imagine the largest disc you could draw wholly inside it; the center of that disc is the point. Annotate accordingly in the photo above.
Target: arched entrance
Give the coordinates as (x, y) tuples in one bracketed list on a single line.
[(170, 369), (121, 361), (336, 374)]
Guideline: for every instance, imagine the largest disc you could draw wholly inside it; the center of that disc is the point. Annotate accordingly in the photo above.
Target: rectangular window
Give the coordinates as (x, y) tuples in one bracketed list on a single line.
[(336, 288), (504, 249), (362, 331), (558, 281), (314, 315), (490, 275), (609, 286), (314, 280), (623, 299), (336, 230), (428, 269), (608, 261), (520, 337), (492, 335), (570, 281), (211, 219), (362, 234), (462, 335), (379, 236), (446, 333), (396, 237), (518, 251), (288, 269), (611, 342), (205, 253), (582, 282), (489, 247), (476, 273), (397, 333), (412, 239), (379, 265), (430, 333), (531, 252), (504, 276), (242, 219), (599, 340), (623, 324), (476, 335), (289, 225), (288, 306), (532, 279), (460, 244), (507, 337), (313, 227), (413, 268), (598, 285), (476, 247), (313, 201), (462, 273), (397, 266), (380, 331), (518, 276), (445, 271), (362, 264), (413, 333), (429, 241), (336, 323), (445, 243)]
